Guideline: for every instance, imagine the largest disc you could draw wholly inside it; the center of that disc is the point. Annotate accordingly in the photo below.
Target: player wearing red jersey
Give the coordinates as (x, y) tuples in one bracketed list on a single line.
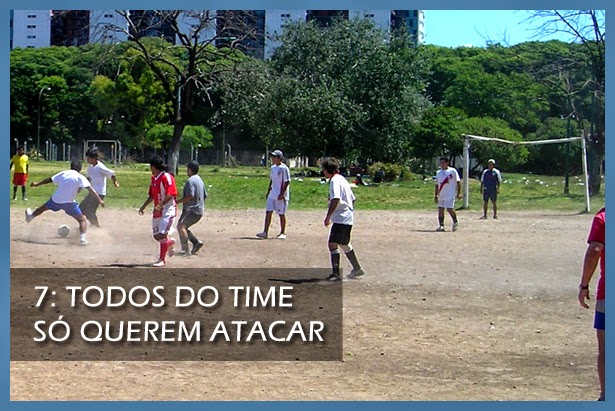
[(163, 192)]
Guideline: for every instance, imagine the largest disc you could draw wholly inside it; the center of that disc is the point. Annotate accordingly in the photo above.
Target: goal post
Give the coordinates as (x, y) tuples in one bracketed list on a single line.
[(466, 160)]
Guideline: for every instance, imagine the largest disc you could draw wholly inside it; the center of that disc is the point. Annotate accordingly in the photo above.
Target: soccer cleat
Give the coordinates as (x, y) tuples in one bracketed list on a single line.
[(29, 215), (483, 217), (359, 272), (184, 253), (455, 226), (262, 235), (334, 277), (83, 241), (171, 249), (281, 237), (196, 247), (159, 263), (440, 229)]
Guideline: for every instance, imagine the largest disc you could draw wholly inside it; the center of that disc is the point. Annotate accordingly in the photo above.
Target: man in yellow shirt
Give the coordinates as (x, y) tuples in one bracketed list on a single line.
[(20, 176)]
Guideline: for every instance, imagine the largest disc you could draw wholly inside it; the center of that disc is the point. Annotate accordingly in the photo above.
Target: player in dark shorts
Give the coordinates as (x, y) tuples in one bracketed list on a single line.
[(194, 207), (341, 214), (490, 182)]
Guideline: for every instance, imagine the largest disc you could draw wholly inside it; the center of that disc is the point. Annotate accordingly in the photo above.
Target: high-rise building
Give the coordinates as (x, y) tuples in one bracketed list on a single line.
[(70, 27), (107, 27), (31, 28), (245, 27)]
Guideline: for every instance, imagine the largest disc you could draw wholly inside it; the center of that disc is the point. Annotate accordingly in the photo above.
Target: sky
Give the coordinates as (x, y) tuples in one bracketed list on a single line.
[(452, 28)]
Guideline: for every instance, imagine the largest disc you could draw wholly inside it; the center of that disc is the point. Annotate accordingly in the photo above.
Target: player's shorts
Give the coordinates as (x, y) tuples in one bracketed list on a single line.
[(599, 316), (72, 209), (20, 179), (490, 194), (446, 203), (164, 224), (279, 206), (189, 218), (340, 234)]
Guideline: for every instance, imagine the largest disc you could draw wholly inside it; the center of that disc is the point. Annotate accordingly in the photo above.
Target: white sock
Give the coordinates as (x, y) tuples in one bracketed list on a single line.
[(82, 236)]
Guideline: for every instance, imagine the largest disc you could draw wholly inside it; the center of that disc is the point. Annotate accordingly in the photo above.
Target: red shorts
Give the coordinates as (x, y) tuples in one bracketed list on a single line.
[(20, 179)]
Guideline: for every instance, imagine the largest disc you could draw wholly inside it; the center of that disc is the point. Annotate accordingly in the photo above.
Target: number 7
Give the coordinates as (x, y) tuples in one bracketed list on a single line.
[(43, 294)]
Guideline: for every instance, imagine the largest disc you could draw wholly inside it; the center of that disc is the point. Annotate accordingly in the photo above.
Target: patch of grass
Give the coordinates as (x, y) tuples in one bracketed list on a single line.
[(245, 187)]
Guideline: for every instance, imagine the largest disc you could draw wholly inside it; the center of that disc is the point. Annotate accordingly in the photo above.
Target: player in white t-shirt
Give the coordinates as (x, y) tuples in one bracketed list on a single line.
[(448, 188), (341, 214), (277, 194), (98, 173), (69, 183)]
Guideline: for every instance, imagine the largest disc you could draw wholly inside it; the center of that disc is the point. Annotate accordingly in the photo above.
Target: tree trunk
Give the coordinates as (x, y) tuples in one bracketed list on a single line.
[(173, 154), (597, 156)]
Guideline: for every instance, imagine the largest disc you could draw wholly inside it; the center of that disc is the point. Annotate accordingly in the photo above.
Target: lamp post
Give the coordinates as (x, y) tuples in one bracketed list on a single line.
[(38, 122)]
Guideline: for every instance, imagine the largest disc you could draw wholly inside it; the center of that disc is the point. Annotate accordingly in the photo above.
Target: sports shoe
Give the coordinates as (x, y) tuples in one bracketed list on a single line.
[(83, 241), (171, 249), (334, 277), (184, 253), (262, 235), (281, 237), (483, 217), (495, 217), (196, 247), (440, 229), (359, 272), (455, 226), (29, 215), (25, 199), (159, 263)]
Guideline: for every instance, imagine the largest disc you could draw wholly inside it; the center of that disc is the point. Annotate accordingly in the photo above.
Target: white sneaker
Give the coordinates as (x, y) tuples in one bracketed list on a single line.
[(29, 216), (440, 229), (281, 237), (159, 263), (356, 273), (262, 235), (83, 241), (455, 225)]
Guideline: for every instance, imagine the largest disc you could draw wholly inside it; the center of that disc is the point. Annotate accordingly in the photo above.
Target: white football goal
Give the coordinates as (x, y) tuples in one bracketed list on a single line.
[(466, 160)]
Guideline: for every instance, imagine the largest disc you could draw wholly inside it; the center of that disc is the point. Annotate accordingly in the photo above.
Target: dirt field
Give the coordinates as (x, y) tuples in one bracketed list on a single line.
[(488, 312)]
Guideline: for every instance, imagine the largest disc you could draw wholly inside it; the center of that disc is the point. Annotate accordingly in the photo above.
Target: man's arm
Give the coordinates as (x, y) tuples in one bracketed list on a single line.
[(41, 183), (92, 191), (283, 190), (590, 262), (436, 193), (498, 182), (268, 189), (458, 189), (114, 179), (185, 199), (145, 204), (333, 203)]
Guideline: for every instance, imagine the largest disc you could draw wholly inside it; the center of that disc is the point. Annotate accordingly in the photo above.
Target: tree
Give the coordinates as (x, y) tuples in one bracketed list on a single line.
[(439, 133), (161, 134)]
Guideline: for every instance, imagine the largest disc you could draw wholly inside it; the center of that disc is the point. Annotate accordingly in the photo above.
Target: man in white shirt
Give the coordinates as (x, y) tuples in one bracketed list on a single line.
[(69, 183), (277, 195), (341, 214), (98, 173), (448, 188)]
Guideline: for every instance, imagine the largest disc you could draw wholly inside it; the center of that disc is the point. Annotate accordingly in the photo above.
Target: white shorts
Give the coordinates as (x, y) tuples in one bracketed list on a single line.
[(279, 206), (164, 224), (446, 203)]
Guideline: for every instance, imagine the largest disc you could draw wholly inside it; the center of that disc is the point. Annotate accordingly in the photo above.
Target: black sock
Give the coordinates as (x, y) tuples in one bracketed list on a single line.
[(23, 191), (335, 261), (192, 237), (454, 219), (441, 221), (353, 260), (14, 192)]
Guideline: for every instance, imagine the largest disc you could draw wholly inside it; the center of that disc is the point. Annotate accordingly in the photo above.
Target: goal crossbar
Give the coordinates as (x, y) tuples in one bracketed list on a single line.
[(466, 160)]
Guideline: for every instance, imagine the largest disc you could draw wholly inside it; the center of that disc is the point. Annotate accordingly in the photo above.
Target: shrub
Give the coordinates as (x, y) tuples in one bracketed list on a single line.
[(386, 171)]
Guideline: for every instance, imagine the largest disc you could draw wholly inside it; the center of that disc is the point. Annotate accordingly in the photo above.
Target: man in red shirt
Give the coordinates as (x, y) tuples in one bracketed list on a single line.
[(163, 192), (595, 252)]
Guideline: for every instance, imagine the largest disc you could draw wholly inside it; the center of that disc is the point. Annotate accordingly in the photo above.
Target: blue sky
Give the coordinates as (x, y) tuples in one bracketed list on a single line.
[(454, 28)]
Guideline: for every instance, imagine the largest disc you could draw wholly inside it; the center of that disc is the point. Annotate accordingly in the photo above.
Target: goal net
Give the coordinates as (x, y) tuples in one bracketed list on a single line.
[(466, 160)]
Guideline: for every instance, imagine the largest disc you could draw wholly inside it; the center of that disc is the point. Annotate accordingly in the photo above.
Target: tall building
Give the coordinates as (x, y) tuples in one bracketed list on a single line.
[(31, 28), (246, 27), (107, 27), (70, 27)]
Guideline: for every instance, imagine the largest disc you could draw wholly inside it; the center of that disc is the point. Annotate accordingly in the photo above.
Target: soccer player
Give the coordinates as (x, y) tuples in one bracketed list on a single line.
[(98, 173), (277, 195), (193, 201), (341, 214), (595, 252), (69, 183), (490, 182), (20, 176), (162, 191), (448, 187)]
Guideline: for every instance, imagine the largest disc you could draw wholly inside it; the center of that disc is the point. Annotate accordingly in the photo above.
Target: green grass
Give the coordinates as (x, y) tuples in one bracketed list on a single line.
[(245, 187)]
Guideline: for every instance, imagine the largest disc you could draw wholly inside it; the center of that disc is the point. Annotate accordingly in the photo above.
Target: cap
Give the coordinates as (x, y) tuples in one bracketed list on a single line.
[(492, 161), (277, 153)]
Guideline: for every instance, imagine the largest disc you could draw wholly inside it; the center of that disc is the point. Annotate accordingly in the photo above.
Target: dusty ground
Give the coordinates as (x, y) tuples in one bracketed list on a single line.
[(488, 312)]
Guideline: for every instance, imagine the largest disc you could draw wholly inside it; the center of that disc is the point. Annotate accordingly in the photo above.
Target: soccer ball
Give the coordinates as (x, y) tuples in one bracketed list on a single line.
[(63, 231)]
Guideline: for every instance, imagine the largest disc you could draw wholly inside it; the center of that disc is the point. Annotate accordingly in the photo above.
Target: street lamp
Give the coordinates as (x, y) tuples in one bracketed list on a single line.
[(38, 123)]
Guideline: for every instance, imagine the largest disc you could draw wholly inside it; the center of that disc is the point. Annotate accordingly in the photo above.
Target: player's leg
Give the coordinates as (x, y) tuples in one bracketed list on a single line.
[(49, 205), (161, 235), (196, 243), (453, 214), (440, 219), (281, 210), (268, 213), (73, 210), (334, 252), (23, 192), (87, 207), (494, 200), (485, 208), (14, 192), (346, 246), (183, 234)]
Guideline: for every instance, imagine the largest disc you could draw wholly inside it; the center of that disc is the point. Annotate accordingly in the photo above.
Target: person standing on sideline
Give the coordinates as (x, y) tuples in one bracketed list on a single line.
[(490, 182), (277, 195), (69, 183), (20, 176), (162, 191), (341, 214), (448, 187), (595, 253), (98, 173), (193, 201)]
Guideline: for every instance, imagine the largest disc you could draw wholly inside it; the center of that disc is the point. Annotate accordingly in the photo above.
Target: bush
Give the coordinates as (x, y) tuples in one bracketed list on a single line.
[(386, 171)]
